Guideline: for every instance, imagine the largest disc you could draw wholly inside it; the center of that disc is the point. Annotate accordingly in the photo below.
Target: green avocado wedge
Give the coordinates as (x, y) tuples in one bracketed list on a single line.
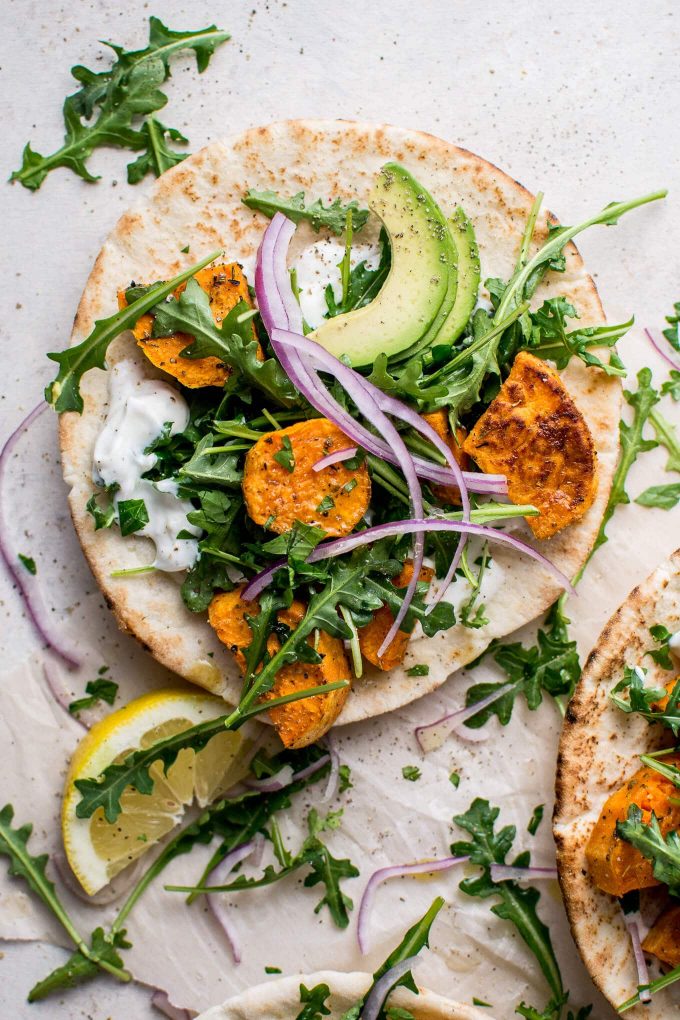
[(418, 284), (454, 314)]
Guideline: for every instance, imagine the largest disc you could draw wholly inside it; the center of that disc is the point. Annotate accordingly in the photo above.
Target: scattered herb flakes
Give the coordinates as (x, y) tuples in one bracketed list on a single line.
[(480, 1002), (454, 779), (268, 523), (29, 563), (132, 516), (536, 819), (332, 216), (272, 970), (663, 497), (355, 462), (348, 486), (97, 690), (411, 772), (186, 250), (326, 504), (112, 108), (420, 669), (286, 455), (346, 783)]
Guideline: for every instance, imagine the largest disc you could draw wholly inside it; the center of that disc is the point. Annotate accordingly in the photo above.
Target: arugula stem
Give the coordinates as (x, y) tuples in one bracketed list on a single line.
[(654, 986), (500, 324), (227, 557), (529, 231), (354, 647)]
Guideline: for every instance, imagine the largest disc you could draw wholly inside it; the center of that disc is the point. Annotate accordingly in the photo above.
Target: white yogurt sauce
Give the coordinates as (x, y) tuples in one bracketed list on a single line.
[(674, 644), (317, 266), (138, 411)]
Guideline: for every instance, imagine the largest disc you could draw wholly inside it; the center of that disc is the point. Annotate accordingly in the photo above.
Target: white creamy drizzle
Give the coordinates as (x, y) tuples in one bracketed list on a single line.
[(674, 644), (317, 266), (138, 410)]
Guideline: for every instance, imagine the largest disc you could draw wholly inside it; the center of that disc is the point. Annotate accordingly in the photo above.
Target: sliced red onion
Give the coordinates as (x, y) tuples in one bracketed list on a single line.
[(272, 784), (631, 922), (433, 735), (508, 873), (61, 695), (395, 871), (334, 774), (261, 581), (335, 458), (258, 849), (219, 876), (309, 770), (660, 350), (381, 989), (29, 584), (161, 1002)]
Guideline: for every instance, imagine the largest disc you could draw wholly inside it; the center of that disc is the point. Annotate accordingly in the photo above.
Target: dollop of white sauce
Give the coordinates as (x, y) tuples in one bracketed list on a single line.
[(674, 644), (317, 266), (138, 411)]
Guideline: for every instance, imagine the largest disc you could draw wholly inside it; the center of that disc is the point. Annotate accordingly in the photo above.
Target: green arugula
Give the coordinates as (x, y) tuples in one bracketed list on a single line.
[(662, 655), (98, 690), (28, 563), (549, 338), (415, 939), (64, 392), (666, 435), (158, 157), (211, 465), (663, 497), (361, 284), (642, 700), (105, 516), (655, 761), (671, 333), (664, 852), (314, 1000), (671, 387), (32, 869), (553, 1011), (132, 516), (516, 904), (551, 666), (333, 217), (411, 772), (286, 456), (110, 104), (324, 869), (232, 341), (633, 443)]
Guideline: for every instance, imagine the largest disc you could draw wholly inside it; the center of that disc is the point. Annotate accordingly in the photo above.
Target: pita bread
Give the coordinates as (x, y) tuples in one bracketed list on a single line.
[(280, 1000), (598, 751), (198, 203)]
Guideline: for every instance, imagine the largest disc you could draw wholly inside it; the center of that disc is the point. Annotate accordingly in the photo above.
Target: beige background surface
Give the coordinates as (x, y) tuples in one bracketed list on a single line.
[(583, 105)]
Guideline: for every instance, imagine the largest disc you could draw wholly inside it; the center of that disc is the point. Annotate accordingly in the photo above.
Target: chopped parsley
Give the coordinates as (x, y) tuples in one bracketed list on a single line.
[(98, 690), (420, 669), (286, 455), (29, 563), (411, 772)]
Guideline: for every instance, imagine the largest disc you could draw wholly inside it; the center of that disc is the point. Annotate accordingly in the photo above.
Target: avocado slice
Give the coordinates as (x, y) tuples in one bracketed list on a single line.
[(454, 314), (418, 281)]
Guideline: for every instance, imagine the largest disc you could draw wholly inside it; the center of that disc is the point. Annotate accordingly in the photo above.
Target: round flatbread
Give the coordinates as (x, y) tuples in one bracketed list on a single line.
[(598, 752), (198, 204), (280, 1000)]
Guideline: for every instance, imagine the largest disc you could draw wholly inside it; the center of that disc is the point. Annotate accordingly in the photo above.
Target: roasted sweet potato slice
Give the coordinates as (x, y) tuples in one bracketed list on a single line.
[(301, 722), (439, 420), (226, 286), (278, 494), (534, 433), (373, 634), (615, 866), (663, 938)]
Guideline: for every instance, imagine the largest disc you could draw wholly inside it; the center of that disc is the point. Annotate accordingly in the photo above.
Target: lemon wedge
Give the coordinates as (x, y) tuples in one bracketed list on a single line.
[(98, 850)]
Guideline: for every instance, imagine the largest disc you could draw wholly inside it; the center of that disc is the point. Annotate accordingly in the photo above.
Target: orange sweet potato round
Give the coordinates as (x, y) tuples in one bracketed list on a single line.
[(615, 866), (300, 722), (225, 285), (374, 633), (335, 498), (439, 420), (663, 938)]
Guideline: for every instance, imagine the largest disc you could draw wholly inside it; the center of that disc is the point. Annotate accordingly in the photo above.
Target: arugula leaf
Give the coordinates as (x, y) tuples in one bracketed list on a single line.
[(671, 333), (64, 392), (362, 285), (516, 904), (286, 455), (643, 700), (411, 772), (667, 436), (664, 497), (98, 690), (549, 338), (671, 387), (132, 516), (209, 466), (551, 666), (632, 443), (79, 968), (314, 1000), (664, 852), (536, 819), (232, 341), (662, 655), (28, 562), (333, 216), (158, 157), (117, 98), (105, 516)]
